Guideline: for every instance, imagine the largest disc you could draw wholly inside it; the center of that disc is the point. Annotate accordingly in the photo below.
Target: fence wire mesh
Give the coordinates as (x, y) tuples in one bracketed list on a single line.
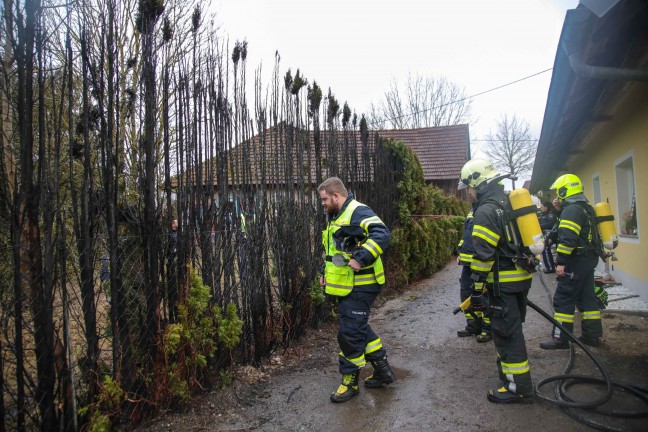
[(107, 322), (107, 315)]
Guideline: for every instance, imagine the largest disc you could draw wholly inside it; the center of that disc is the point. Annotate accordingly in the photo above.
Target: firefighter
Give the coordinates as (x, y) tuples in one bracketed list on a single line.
[(547, 220), (577, 258), (354, 240), (493, 268), (476, 322)]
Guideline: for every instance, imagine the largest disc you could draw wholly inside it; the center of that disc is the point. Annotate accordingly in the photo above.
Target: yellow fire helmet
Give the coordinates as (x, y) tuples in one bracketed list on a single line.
[(475, 172), (567, 185)]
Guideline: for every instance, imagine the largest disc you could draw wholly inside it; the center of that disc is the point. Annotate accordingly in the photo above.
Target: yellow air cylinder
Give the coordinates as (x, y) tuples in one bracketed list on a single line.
[(605, 222), (528, 224)]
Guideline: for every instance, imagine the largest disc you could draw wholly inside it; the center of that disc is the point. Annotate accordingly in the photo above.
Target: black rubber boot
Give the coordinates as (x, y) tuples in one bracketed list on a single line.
[(347, 389), (484, 337), (553, 344), (591, 341), (503, 396), (470, 330), (382, 374)]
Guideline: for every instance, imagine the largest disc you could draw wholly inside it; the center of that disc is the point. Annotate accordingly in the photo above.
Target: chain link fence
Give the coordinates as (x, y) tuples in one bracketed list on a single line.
[(112, 353), (113, 128)]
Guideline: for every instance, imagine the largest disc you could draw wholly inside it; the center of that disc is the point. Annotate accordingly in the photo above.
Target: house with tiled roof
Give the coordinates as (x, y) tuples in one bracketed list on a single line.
[(441, 150), (282, 155)]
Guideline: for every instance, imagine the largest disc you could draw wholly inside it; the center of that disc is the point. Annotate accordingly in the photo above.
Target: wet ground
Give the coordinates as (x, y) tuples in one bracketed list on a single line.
[(442, 379)]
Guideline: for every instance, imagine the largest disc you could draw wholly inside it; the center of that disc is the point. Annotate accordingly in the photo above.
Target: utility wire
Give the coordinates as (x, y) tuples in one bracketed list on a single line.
[(465, 98), (487, 140)]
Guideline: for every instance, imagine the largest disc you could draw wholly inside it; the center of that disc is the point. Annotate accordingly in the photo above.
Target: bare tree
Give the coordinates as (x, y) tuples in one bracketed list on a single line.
[(421, 102), (511, 148)]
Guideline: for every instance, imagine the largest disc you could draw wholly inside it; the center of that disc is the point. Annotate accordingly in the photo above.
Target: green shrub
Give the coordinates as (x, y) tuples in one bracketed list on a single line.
[(191, 342), (107, 407), (421, 244), (230, 327), (316, 292)]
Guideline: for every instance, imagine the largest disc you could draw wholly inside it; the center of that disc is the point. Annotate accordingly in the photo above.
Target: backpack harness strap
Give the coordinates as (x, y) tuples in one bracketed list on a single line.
[(514, 214)]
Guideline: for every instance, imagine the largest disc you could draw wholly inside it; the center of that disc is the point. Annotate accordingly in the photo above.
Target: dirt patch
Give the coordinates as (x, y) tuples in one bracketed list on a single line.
[(625, 328)]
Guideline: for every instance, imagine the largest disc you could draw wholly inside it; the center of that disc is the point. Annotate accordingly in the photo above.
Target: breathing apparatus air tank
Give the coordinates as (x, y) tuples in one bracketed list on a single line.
[(527, 220), (605, 222)]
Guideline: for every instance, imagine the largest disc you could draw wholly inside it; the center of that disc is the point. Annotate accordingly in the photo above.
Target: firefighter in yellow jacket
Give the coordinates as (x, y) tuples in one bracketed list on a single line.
[(354, 240)]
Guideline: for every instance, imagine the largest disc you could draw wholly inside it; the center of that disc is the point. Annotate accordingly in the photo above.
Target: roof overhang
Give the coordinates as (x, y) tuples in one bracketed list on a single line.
[(597, 62)]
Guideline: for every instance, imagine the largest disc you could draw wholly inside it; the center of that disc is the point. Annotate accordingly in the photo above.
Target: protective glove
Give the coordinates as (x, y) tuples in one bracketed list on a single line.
[(601, 296)]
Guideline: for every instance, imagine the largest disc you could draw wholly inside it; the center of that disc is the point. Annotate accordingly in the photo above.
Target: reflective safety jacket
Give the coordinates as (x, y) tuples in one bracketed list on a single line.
[(492, 242), (465, 246), (340, 278), (574, 230)]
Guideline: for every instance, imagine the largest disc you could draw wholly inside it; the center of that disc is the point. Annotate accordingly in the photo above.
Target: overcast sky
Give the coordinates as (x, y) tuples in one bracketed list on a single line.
[(356, 47)]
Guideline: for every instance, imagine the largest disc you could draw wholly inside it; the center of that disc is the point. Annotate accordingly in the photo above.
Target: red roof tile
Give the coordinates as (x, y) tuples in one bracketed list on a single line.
[(442, 150)]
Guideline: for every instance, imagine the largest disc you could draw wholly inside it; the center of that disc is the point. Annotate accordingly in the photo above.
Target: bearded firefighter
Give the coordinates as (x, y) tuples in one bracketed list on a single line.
[(354, 240)]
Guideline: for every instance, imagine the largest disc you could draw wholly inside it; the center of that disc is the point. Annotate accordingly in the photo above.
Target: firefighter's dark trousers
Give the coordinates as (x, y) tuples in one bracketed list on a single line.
[(507, 313), (359, 344), (466, 288), (577, 291)]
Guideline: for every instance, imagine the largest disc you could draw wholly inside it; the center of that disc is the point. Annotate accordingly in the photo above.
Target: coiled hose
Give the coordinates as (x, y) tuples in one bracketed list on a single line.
[(566, 380)]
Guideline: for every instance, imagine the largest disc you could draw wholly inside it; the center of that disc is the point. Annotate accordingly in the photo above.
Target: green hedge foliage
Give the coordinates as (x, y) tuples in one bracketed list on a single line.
[(429, 225)]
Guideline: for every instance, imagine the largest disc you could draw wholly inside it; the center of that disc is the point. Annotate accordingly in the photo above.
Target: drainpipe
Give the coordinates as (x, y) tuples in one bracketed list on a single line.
[(578, 25), (603, 72)]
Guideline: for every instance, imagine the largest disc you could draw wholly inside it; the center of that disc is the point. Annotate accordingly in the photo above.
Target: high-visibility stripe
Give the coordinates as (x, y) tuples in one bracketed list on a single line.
[(372, 346), (358, 361), (482, 266), (332, 285), (373, 247), (570, 225), (515, 368), (591, 315), (510, 276), (465, 257), (562, 249), (365, 280), (567, 318), (373, 220), (484, 233), (460, 243)]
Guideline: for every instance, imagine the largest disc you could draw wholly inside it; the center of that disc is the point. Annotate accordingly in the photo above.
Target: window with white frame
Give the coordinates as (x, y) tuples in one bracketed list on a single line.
[(626, 197), (596, 188)]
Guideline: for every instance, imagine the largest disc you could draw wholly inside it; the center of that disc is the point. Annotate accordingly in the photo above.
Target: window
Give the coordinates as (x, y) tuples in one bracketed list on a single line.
[(596, 189), (626, 197)]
